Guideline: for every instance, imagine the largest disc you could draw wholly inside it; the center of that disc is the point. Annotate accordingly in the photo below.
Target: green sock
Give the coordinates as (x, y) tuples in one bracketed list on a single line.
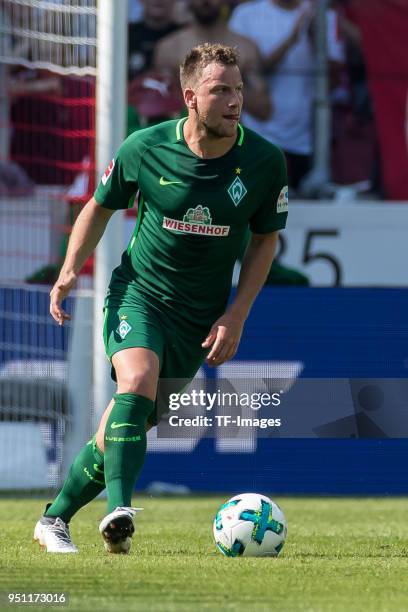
[(125, 446), (84, 482)]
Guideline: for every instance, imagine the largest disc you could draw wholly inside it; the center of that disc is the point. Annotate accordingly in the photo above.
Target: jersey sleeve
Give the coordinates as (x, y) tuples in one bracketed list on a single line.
[(273, 211), (119, 182)]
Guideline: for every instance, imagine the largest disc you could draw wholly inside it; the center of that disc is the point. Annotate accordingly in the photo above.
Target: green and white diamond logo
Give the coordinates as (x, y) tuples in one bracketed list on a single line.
[(237, 190), (123, 329)]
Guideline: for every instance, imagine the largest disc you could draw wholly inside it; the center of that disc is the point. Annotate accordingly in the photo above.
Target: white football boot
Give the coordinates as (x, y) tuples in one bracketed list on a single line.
[(53, 536), (117, 529)]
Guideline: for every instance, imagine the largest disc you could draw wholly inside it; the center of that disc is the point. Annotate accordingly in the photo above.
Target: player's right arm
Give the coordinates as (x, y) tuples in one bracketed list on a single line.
[(86, 233), (115, 191)]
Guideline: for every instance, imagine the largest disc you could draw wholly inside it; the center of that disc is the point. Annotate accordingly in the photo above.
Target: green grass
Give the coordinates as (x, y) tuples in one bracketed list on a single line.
[(340, 555)]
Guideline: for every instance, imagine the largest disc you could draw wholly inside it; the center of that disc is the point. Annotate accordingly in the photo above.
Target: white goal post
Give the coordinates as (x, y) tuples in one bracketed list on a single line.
[(110, 129)]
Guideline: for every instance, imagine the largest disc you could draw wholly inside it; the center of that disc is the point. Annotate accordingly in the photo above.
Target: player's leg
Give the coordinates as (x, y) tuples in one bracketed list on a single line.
[(100, 434), (86, 477), (137, 372), (84, 482)]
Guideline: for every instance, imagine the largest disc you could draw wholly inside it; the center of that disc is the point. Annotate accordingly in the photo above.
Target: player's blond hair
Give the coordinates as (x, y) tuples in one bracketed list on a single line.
[(199, 57)]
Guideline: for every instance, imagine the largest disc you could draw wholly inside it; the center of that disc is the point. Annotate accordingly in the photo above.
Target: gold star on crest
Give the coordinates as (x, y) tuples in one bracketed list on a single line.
[(123, 317), (238, 170)]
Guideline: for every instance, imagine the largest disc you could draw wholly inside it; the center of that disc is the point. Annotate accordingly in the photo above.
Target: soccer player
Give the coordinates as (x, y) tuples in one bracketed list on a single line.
[(202, 181)]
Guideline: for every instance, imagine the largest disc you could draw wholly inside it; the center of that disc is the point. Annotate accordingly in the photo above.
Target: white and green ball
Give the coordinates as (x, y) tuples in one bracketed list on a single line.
[(250, 525)]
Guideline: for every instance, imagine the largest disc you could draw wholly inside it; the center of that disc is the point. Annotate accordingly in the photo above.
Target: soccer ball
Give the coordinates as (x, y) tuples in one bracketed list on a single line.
[(250, 525)]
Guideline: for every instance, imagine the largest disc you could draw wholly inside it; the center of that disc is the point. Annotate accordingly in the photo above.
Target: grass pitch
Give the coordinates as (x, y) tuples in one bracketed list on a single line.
[(341, 555)]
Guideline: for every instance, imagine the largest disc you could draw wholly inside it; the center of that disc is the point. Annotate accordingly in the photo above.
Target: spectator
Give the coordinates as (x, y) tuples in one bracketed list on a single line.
[(355, 153), (209, 25), (157, 21), (135, 11), (280, 27)]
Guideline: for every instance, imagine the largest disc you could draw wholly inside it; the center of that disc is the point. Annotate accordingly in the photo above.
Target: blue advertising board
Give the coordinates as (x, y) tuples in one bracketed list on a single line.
[(344, 333), (333, 333)]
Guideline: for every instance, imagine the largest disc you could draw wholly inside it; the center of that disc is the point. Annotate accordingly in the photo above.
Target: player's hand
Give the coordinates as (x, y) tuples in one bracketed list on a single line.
[(58, 293), (224, 338)]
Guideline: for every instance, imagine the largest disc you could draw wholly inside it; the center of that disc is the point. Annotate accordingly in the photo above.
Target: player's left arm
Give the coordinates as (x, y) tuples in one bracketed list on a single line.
[(226, 332), (264, 224)]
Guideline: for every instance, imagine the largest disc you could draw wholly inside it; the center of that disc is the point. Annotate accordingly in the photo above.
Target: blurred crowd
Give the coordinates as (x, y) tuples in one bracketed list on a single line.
[(277, 41)]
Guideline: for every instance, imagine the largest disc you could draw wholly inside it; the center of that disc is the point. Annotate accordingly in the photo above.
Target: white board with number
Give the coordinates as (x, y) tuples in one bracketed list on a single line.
[(361, 244)]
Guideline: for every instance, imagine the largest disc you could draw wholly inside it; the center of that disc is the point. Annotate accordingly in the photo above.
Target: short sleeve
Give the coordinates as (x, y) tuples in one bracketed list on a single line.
[(119, 182), (273, 211), (237, 21)]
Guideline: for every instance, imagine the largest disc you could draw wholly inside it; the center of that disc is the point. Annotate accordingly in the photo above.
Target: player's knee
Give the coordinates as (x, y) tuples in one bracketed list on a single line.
[(137, 371), (141, 383)]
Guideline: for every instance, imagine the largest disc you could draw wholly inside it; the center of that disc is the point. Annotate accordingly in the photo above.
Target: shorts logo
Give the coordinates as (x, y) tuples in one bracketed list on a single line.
[(108, 172), (124, 327), (282, 203), (196, 221), (237, 190)]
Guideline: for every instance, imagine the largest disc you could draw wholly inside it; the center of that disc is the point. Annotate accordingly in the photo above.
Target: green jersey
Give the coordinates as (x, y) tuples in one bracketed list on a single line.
[(193, 214)]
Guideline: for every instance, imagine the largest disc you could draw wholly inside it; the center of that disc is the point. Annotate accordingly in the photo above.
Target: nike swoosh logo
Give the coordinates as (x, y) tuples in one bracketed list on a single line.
[(116, 425), (163, 182)]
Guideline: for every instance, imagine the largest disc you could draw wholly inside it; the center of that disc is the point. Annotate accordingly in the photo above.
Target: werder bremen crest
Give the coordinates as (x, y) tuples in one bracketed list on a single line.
[(198, 215), (237, 190), (124, 327)]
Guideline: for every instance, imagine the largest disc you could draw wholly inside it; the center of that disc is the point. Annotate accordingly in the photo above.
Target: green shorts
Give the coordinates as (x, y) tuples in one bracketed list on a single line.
[(143, 324)]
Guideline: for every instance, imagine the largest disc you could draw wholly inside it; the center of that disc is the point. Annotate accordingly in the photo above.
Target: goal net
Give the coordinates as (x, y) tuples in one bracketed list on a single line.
[(47, 168), (51, 34)]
